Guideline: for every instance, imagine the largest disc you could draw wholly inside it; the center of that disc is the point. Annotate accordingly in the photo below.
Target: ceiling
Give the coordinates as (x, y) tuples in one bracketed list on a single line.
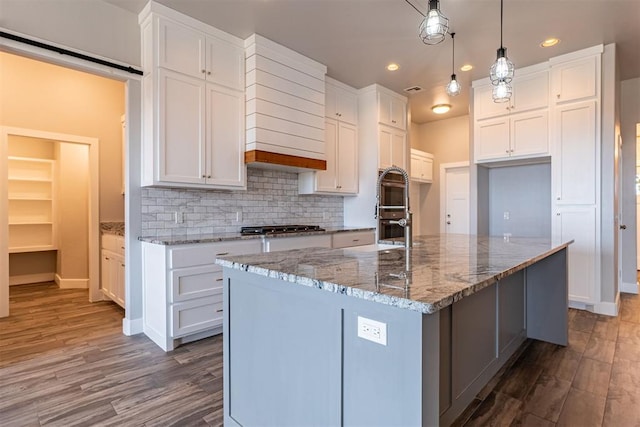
[(356, 39)]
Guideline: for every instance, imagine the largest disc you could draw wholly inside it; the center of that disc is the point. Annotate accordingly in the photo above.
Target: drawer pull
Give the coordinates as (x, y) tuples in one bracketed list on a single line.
[(219, 310), (222, 254), (219, 280), (356, 240)]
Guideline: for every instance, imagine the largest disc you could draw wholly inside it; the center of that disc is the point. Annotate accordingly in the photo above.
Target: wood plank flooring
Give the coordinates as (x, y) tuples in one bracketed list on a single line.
[(65, 362)]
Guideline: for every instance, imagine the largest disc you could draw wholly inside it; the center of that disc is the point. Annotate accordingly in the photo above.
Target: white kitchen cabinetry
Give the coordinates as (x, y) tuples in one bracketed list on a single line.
[(421, 166), (193, 103), (112, 277), (183, 289), (273, 244), (576, 80), (31, 207), (341, 102), (517, 129), (579, 223), (341, 142), (392, 147), (576, 170), (392, 110), (350, 239)]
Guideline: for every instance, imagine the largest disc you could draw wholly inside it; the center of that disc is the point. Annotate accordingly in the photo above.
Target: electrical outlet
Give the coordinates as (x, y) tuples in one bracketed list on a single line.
[(238, 216), (507, 214), (178, 217), (325, 215), (372, 330)]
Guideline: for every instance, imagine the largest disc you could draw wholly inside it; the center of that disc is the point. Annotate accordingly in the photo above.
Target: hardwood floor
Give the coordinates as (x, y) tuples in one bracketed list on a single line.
[(65, 362)]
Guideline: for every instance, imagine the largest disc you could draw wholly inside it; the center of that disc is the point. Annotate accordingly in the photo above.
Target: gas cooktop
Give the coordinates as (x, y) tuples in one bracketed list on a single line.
[(276, 229)]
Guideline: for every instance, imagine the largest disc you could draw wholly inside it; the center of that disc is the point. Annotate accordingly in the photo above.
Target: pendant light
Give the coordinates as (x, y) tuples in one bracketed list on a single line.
[(453, 88), (502, 92), (502, 70), (435, 25)]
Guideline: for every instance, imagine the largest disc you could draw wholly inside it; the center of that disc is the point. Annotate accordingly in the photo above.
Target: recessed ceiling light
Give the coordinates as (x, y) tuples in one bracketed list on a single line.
[(550, 42), (393, 66), (466, 67), (441, 108)]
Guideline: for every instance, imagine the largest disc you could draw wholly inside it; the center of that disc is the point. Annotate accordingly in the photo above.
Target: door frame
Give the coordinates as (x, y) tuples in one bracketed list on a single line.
[(132, 323), (444, 167), (93, 231)]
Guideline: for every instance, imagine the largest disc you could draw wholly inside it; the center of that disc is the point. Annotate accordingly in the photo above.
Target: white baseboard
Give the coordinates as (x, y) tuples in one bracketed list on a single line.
[(629, 288), (606, 308), (31, 278), (132, 326), (71, 283)]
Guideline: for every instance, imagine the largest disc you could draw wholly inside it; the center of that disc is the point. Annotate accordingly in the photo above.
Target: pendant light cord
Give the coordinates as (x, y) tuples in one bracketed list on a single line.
[(414, 6), (453, 57), (501, 12)]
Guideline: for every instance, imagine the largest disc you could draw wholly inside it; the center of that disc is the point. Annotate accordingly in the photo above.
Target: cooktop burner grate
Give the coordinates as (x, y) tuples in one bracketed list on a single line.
[(276, 229)]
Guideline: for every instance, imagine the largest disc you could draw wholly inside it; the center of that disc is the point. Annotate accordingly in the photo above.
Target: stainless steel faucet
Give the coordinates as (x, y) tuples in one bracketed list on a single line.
[(402, 222)]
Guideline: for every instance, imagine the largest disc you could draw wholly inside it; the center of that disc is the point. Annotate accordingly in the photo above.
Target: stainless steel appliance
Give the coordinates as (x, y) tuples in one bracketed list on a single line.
[(392, 208)]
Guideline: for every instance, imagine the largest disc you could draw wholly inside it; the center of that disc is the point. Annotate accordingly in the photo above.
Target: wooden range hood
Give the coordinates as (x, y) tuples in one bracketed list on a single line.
[(286, 160)]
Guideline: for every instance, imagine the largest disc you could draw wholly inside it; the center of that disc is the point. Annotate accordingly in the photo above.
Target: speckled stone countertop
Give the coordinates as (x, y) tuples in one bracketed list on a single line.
[(442, 269), (222, 237), (116, 228)]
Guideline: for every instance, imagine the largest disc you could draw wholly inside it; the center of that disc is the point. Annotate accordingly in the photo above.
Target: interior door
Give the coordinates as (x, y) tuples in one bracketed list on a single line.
[(456, 198)]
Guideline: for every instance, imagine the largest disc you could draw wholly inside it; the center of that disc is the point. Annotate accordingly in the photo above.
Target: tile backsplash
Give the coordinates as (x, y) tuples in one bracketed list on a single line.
[(271, 198)]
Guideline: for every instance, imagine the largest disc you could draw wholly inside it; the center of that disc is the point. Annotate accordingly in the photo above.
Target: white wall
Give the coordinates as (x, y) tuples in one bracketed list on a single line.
[(448, 141), (630, 116), (95, 27)]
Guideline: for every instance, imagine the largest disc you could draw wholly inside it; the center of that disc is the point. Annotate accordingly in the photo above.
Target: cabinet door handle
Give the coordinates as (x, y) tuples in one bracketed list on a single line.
[(107, 258), (393, 121), (337, 114), (208, 176), (204, 71), (219, 310), (209, 73), (122, 265), (558, 96), (219, 280), (557, 198), (204, 176), (558, 214), (507, 151), (356, 240), (222, 254), (623, 227)]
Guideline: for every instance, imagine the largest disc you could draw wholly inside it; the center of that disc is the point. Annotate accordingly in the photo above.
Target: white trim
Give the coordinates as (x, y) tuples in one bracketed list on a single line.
[(608, 308), (443, 195), (629, 288), (71, 283), (132, 326), (25, 279)]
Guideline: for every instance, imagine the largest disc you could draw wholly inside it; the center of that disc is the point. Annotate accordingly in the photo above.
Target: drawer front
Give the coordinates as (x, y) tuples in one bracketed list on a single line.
[(195, 316), (206, 253), (113, 243), (195, 282), (298, 242), (357, 238)]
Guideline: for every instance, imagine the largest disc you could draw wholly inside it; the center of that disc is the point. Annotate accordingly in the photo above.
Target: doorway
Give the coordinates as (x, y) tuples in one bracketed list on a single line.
[(454, 198), (33, 181)]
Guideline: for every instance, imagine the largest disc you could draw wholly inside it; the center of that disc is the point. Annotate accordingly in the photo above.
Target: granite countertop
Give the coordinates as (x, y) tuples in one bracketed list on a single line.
[(116, 228), (440, 270), (222, 237)]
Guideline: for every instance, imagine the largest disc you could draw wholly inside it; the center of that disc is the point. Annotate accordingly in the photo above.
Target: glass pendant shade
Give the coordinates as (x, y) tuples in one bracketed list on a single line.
[(434, 26), (503, 69), (502, 92), (453, 88)]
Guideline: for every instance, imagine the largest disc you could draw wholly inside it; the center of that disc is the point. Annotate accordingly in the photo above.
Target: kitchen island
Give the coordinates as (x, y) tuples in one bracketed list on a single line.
[(383, 337)]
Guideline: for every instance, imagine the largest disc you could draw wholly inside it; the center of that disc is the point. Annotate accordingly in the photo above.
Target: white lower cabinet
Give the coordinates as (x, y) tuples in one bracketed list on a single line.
[(112, 268), (183, 289), (352, 238), (578, 223)]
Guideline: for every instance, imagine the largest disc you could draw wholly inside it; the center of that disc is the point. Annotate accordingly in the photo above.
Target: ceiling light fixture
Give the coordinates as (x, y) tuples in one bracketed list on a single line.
[(550, 42), (434, 26), (501, 72), (453, 88), (393, 66), (441, 108), (466, 67)]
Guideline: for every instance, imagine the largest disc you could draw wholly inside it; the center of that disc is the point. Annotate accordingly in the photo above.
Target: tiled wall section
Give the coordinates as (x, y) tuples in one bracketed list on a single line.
[(271, 198)]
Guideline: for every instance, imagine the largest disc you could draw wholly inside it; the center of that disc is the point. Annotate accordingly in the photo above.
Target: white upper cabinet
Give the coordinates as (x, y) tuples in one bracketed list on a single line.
[(341, 142), (515, 129), (392, 147), (421, 166), (191, 52), (340, 103), (392, 110), (193, 103), (577, 79)]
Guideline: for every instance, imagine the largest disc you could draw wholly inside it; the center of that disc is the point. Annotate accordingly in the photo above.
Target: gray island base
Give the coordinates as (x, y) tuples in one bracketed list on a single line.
[(368, 337)]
